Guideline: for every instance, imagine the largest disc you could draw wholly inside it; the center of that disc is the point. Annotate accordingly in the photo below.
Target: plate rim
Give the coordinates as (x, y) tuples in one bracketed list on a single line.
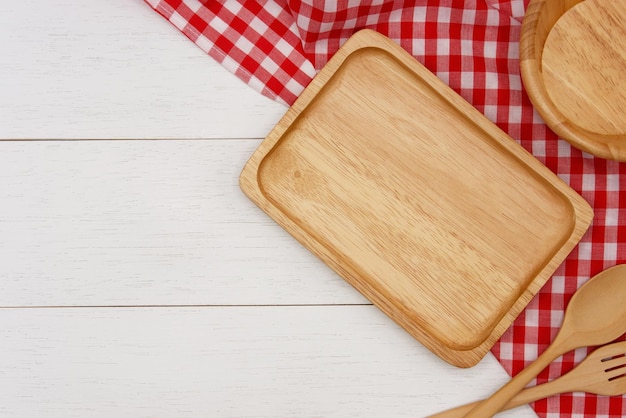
[(250, 185), (610, 147)]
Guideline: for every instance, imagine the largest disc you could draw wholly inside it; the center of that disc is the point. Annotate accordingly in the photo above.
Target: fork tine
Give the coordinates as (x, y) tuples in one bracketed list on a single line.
[(614, 361), (617, 386), (610, 357), (618, 377), (615, 368)]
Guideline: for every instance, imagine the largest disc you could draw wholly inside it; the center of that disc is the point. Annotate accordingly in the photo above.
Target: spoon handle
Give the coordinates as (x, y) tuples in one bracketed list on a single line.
[(526, 396), (500, 398)]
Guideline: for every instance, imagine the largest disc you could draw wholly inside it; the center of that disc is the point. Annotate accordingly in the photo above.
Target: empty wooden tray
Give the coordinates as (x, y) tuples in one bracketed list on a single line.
[(415, 198), (573, 63)]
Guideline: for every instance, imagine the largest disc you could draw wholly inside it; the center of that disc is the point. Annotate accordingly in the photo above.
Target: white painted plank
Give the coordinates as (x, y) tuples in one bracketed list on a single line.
[(164, 223), (145, 223), (225, 362), (116, 69)]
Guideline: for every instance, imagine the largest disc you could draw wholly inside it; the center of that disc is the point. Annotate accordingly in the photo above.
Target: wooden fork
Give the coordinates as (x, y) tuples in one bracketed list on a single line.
[(603, 372)]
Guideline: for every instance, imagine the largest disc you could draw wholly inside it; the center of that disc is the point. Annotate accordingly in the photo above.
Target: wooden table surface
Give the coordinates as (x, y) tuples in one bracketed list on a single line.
[(136, 279)]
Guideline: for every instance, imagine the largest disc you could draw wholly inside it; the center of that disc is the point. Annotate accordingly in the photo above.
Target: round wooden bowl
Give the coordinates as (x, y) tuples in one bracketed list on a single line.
[(573, 65)]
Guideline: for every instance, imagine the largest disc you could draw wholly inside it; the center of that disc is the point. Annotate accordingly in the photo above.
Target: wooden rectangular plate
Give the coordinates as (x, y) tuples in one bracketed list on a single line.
[(415, 198)]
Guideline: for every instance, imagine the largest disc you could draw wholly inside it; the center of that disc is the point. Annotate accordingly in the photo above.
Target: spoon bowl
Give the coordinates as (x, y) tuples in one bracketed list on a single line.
[(603, 372), (595, 315)]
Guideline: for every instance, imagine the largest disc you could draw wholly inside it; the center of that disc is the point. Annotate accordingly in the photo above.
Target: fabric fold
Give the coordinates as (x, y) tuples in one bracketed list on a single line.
[(277, 47)]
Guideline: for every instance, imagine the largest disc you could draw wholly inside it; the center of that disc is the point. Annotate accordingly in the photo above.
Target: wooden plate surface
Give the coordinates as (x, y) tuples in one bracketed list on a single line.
[(415, 198), (573, 63)]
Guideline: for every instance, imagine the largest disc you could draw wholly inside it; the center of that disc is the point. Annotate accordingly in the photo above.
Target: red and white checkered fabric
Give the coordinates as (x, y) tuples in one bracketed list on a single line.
[(277, 46)]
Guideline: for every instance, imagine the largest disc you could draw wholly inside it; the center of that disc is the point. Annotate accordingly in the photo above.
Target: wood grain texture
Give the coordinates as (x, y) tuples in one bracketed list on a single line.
[(601, 372), (595, 316), (584, 65), (573, 64), (88, 69), (225, 362), (162, 222), (415, 198)]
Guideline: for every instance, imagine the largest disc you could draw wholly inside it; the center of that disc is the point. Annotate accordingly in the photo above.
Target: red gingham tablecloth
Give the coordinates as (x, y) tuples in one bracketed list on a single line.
[(277, 46)]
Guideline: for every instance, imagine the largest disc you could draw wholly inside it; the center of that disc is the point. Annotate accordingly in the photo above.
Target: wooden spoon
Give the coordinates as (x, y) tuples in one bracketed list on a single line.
[(602, 372), (595, 315)]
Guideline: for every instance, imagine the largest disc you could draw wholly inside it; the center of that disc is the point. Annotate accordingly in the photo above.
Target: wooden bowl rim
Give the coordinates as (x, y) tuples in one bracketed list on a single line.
[(612, 147)]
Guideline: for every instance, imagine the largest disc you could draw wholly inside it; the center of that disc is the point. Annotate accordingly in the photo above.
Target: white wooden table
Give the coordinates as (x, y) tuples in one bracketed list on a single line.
[(136, 280)]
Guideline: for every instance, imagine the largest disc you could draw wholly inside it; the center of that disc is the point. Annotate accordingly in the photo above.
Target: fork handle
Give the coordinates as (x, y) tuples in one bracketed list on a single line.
[(492, 405), (526, 396)]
